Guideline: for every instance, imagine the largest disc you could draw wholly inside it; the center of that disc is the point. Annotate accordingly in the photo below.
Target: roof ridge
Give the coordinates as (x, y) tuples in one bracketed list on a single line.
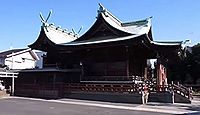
[(138, 22), (58, 28), (103, 10)]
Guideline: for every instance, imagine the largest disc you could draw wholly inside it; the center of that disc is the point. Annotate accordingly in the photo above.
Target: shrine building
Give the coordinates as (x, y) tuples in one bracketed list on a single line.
[(110, 54)]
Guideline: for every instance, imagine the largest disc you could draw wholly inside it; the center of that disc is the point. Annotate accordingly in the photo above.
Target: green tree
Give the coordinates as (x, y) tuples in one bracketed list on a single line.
[(187, 70)]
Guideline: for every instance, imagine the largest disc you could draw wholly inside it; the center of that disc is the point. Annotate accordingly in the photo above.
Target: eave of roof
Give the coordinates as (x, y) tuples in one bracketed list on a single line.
[(87, 42), (50, 70), (167, 43)]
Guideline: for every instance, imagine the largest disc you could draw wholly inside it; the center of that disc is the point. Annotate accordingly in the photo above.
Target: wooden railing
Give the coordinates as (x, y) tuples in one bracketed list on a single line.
[(177, 88), (182, 90), (111, 78), (158, 88), (120, 88)]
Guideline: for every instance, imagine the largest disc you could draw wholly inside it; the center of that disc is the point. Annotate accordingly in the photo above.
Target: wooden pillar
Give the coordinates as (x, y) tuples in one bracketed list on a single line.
[(159, 77), (13, 85), (161, 74), (127, 61), (145, 72), (54, 80), (82, 71), (35, 80)]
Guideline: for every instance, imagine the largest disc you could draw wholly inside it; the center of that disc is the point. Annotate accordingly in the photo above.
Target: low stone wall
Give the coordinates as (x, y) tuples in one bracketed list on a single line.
[(26, 93), (164, 97), (178, 98), (139, 98), (37, 93), (49, 93)]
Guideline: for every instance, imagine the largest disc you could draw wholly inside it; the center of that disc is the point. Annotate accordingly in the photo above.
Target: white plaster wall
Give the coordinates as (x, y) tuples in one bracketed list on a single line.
[(40, 54), (21, 61)]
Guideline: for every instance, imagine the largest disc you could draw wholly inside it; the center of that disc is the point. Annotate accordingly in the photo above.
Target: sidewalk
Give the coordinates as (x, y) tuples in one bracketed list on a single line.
[(176, 108)]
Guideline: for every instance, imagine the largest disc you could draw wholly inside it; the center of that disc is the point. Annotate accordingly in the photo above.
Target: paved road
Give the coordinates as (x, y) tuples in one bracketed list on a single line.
[(25, 106)]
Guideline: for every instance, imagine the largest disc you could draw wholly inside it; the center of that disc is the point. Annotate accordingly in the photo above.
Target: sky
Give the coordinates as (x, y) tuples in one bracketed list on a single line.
[(173, 20)]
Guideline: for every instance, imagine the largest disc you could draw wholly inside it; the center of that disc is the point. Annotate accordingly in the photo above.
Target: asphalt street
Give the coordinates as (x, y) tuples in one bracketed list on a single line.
[(26, 106)]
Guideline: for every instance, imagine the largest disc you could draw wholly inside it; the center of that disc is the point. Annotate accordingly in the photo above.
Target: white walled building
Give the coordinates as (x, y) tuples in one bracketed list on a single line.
[(18, 59)]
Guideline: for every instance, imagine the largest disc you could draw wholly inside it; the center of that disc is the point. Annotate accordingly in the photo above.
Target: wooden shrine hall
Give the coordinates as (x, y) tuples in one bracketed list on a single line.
[(112, 56)]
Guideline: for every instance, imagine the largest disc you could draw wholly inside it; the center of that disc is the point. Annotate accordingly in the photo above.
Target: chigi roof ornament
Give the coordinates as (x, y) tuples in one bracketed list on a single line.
[(42, 18), (77, 33), (51, 28), (44, 22)]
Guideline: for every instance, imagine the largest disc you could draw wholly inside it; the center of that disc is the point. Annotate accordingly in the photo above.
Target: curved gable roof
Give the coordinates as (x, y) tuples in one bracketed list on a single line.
[(135, 27), (107, 28), (51, 35), (115, 26)]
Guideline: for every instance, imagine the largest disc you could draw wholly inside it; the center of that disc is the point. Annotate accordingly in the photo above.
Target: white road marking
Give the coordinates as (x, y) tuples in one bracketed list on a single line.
[(137, 108)]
